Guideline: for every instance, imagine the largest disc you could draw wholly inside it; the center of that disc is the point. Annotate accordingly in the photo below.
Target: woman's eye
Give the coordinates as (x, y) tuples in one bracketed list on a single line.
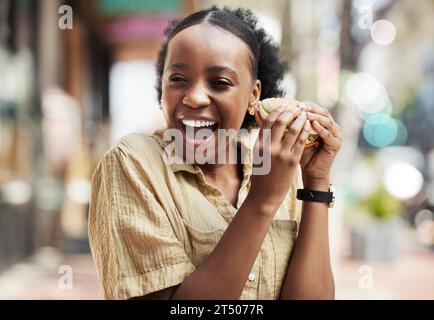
[(176, 79), (222, 82)]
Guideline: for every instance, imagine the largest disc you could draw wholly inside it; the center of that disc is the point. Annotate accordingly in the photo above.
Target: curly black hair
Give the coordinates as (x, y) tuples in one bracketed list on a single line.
[(266, 64)]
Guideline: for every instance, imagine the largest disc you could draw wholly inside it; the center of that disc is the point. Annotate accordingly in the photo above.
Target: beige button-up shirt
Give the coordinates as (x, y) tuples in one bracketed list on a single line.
[(151, 223)]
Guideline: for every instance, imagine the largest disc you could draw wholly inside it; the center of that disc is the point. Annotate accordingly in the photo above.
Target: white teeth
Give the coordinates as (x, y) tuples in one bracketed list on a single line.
[(198, 123)]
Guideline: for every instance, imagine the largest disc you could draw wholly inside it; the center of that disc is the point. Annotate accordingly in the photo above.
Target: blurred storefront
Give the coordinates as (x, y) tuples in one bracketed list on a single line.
[(18, 131), (64, 67)]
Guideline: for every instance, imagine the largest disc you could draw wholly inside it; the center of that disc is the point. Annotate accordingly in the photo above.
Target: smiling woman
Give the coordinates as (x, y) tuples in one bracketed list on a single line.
[(216, 230), (206, 80)]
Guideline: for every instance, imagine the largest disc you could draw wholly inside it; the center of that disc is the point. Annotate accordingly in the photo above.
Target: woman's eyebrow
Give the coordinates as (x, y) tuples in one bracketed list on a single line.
[(213, 69), (222, 68), (181, 66)]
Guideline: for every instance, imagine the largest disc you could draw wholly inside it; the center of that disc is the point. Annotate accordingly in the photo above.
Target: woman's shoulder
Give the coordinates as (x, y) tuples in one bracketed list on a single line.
[(138, 144), (134, 150)]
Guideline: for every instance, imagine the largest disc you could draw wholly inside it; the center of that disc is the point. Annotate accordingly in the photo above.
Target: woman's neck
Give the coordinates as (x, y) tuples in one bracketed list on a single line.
[(222, 172), (229, 171)]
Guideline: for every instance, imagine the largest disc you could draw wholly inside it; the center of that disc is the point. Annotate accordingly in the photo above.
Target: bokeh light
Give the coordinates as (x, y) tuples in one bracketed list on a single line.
[(78, 190), (423, 215), (381, 103), (401, 135), (403, 188), (383, 32), (425, 232), (380, 130), (17, 192), (363, 89)]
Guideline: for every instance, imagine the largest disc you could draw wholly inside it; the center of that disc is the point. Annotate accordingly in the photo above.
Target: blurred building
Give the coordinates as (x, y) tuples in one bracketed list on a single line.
[(64, 68)]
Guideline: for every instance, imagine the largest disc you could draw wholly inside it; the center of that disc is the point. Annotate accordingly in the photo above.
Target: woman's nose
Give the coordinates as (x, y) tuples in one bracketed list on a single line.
[(196, 97)]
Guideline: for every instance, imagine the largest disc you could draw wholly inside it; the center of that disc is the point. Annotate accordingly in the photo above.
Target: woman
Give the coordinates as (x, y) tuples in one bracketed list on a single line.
[(214, 230)]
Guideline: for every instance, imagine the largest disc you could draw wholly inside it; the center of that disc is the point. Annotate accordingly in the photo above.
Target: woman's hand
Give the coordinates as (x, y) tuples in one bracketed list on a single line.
[(316, 162), (289, 133)]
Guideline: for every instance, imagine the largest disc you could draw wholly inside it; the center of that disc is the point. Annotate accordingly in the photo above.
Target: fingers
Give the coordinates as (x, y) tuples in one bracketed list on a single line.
[(293, 132), (314, 108), (322, 116), (285, 119), (297, 146), (326, 122), (269, 121), (330, 141)]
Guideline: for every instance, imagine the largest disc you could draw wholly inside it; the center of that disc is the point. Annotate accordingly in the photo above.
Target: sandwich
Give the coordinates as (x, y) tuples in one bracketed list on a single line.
[(267, 105)]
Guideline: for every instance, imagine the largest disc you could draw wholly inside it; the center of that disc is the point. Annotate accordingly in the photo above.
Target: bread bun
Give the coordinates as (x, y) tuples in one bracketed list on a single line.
[(267, 105)]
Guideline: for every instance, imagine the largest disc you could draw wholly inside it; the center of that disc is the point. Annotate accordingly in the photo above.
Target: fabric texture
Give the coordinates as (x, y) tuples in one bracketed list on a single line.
[(151, 223)]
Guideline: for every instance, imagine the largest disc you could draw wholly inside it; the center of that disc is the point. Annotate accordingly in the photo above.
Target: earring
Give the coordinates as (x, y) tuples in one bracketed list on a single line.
[(251, 110)]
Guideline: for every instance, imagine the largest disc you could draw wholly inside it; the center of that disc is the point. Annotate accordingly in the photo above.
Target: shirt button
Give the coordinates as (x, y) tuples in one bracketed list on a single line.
[(252, 277)]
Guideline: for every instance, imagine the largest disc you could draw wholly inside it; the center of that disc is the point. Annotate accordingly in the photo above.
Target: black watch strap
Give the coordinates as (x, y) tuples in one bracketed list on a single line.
[(311, 195)]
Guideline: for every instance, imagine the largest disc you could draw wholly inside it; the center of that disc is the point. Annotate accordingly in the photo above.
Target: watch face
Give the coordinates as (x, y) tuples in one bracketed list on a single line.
[(332, 190)]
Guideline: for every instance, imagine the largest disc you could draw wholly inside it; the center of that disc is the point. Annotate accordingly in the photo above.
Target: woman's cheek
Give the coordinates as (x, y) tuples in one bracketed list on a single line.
[(170, 96), (167, 99)]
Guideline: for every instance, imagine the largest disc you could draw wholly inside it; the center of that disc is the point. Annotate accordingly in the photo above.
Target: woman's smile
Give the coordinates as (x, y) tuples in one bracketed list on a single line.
[(197, 131)]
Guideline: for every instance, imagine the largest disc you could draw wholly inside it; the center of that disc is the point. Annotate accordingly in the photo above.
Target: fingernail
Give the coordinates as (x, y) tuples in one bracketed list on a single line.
[(302, 104), (303, 115), (307, 125)]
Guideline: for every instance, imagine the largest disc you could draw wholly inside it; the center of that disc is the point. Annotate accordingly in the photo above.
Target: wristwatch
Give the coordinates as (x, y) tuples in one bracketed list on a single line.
[(317, 196)]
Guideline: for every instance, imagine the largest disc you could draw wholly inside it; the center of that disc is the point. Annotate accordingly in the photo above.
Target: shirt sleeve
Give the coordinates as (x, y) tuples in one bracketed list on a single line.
[(134, 247)]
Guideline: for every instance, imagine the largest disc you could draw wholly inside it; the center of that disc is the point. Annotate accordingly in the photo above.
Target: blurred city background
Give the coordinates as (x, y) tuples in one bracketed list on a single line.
[(75, 76)]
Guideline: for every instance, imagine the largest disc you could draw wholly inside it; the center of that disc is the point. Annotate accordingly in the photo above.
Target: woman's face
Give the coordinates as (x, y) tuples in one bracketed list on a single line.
[(207, 83)]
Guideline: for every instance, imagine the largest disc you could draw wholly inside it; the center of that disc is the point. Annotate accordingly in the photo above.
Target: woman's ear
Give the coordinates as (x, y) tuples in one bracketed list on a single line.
[(255, 94)]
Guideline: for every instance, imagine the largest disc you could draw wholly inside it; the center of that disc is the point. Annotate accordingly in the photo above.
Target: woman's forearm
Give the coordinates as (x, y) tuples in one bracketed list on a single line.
[(224, 273), (309, 274)]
